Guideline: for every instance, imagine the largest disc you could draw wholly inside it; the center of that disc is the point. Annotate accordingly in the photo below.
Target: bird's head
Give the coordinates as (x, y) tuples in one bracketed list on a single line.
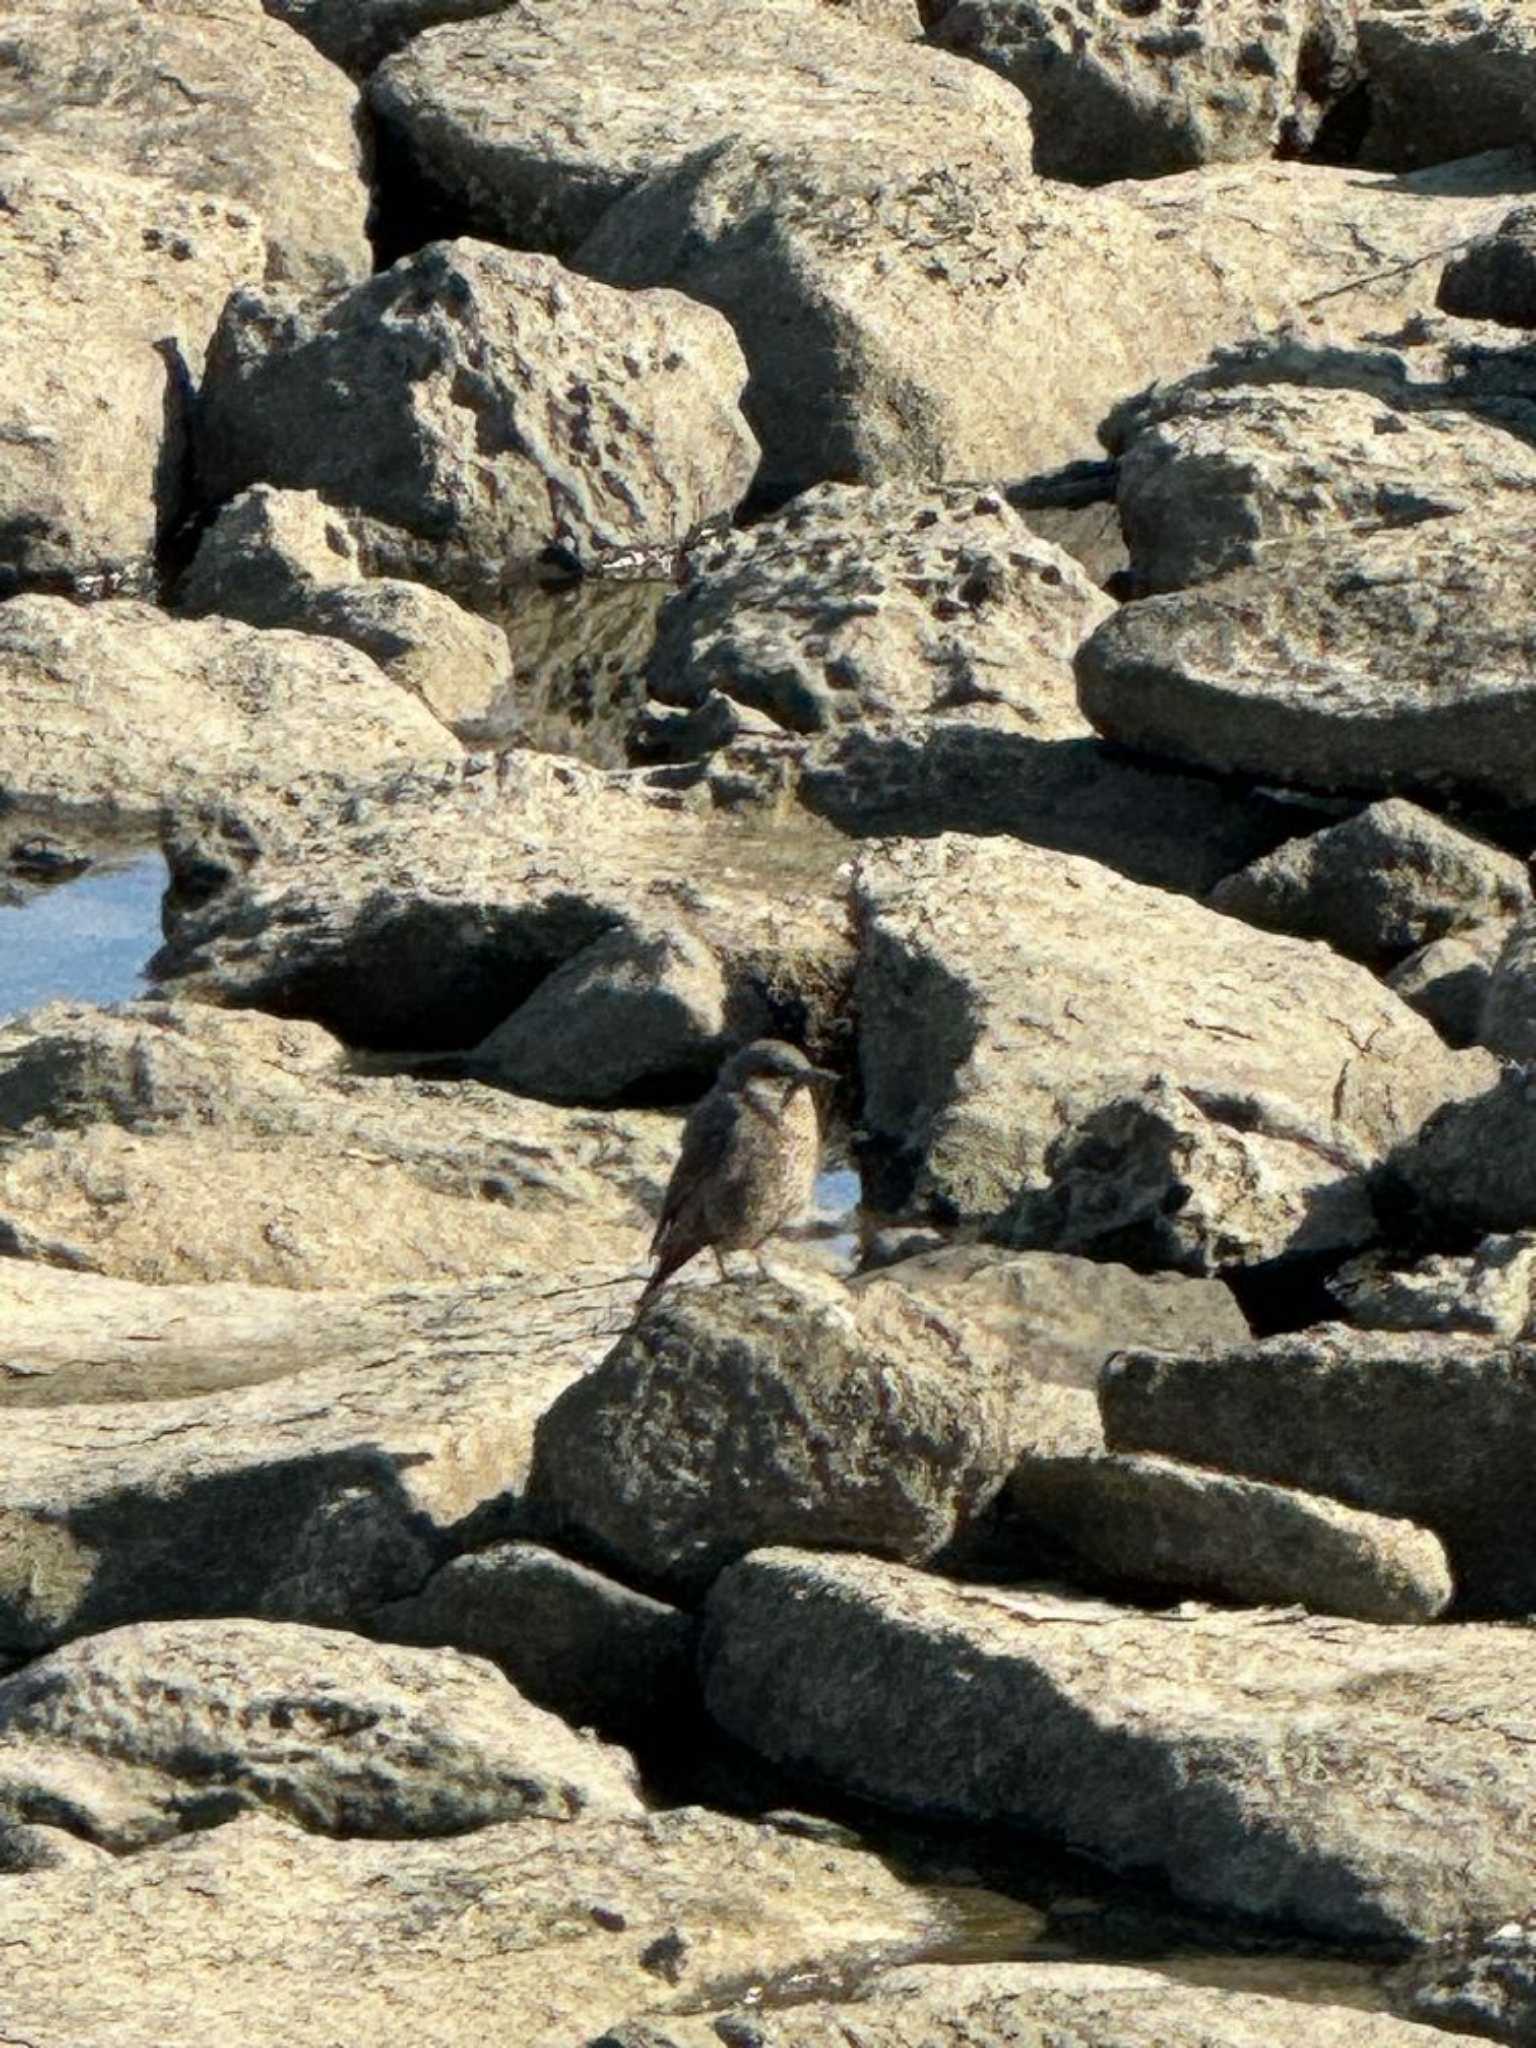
[(770, 1072)]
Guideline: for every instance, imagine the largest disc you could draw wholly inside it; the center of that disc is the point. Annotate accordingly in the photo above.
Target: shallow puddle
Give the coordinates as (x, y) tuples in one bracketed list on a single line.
[(88, 939)]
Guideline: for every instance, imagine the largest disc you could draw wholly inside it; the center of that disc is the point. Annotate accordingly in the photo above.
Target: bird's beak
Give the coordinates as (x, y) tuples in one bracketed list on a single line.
[(822, 1077)]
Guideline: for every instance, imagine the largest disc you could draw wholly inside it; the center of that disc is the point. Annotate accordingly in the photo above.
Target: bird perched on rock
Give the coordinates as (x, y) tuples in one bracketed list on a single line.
[(748, 1162)]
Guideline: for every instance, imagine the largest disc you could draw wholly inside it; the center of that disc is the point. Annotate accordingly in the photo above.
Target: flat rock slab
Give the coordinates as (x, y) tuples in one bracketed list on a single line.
[(177, 1142), (114, 709), (314, 1497), (145, 1732), (535, 1931), (1154, 1522), (423, 912), (212, 95), (1435, 1428), (1008, 994), (1355, 1781), (859, 605), (106, 280), (1040, 2005), (1387, 663), (499, 404)]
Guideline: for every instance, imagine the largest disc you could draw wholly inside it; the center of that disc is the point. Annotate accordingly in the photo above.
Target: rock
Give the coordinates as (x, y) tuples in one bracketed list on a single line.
[(145, 1732), (1471, 1168), (1213, 486), (360, 34), (593, 1651), (1156, 1523), (111, 286), (282, 558), (1059, 1319), (636, 1006), (1495, 279), (1447, 982), (211, 95), (989, 1040), (526, 128), (839, 262), (432, 908), (1355, 1781), (1445, 79), (730, 1416), (1069, 2005), (1382, 884), (534, 1930), (1386, 663), (1116, 93), (853, 606), (1156, 825), (499, 403), (1437, 1429), (117, 709), (316, 1497), (175, 1142), (1487, 1985), (1508, 1021), (579, 654), (1487, 1292)]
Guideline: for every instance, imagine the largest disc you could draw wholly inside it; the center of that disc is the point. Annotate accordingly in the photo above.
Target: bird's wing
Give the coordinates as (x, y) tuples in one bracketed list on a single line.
[(710, 1136)]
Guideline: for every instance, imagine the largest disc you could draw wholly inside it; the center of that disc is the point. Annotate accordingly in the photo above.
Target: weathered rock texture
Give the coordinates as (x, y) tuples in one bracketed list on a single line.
[(1486, 1292), (144, 1732), (559, 1931), (1495, 278), (1508, 1020), (111, 287), (1379, 886), (1447, 981), (1393, 663), (1214, 485), (1118, 92), (359, 34), (1446, 78), (496, 403), (1010, 996), (592, 1650), (213, 96), (1352, 1780), (113, 710), (178, 1142), (529, 126), (841, 262), (1153, 1522), (1437, 1429), (858, 605), (1471, 1168), (425, 911), (732, 1416)]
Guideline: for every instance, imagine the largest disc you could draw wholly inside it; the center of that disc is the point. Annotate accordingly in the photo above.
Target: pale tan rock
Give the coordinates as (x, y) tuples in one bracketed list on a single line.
[(1468, 1170), (1486, 1292), (1359, 1781), (144, 1732), (1447, 981), (212, 95), (1508, 1020), (499, 404), (113, 710), (96, 271), (861, 605)]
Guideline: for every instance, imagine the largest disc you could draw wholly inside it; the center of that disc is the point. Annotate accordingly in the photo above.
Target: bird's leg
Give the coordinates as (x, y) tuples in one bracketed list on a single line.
[(763, 1272), (720, 1262)]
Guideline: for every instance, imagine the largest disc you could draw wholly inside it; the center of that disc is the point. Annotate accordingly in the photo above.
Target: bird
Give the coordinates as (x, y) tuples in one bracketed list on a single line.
[(748, 1159)]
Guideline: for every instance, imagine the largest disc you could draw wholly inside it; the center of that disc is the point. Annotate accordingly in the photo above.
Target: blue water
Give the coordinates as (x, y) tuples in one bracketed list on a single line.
[(88, 939)]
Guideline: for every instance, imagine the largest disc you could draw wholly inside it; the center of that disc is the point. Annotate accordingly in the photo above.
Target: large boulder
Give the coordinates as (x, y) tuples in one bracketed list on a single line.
[(1355, 1781), (1495, 277), (149, 1731), (732, 1416), (167, 1142), (1445, 78), (211, 95), (854, 606), (527, 127), (1212, 486), (1010, 996), (1388, 663), (534, 1931), (424, 911), (116, 709), (1117, 92), (1438, 1429), (498, 404), (1507, 1024), (938, 312), (112, 286), (1470, 1169)]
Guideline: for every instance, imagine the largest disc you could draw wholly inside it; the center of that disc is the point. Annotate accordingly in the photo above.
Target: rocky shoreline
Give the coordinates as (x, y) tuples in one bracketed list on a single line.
[(987, 541)]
